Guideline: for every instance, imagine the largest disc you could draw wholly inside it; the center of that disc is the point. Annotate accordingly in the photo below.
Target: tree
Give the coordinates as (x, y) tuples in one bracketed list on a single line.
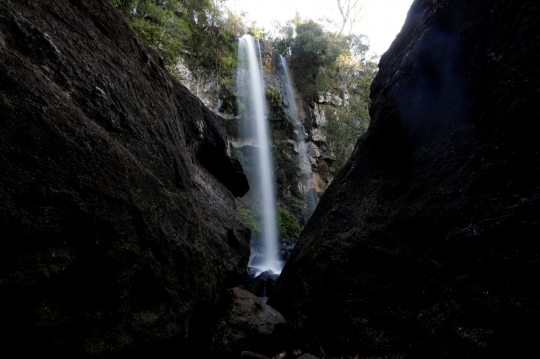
[(313, 57), (235, 23), (350, 12), (191, 29), (283, 36), (158, 24)]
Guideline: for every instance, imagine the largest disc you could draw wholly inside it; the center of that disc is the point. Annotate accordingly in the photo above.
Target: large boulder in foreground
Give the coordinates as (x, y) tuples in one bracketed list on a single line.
[(246, 323), (427, 242), (117, 212)]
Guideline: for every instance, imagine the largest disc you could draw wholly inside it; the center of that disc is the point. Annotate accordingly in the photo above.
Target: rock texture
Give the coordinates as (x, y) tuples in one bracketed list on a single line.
[(117, 215), (303, 182), (262, 285), (247, 324), (426, 243)]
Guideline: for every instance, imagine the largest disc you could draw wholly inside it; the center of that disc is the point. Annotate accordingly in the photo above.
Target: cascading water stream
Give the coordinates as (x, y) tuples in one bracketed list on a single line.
[(303, 158), (251, 89)]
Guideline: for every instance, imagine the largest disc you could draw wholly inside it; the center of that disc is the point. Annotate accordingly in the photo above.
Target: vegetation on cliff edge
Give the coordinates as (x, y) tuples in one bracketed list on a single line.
[(329, 64), (197, 31)]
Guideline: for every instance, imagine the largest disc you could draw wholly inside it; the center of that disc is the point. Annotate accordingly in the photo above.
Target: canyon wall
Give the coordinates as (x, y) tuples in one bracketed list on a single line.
[(426, 242), (118, 221)]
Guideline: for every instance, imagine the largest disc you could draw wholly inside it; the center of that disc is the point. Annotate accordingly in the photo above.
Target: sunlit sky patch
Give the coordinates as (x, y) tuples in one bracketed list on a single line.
[(381, 19)]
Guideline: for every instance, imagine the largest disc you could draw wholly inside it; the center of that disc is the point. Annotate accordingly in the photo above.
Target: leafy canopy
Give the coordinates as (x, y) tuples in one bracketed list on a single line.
[(323, 61), (196, 30)]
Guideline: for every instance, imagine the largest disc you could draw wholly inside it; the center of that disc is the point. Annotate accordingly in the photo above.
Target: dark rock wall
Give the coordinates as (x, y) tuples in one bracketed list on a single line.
[(427, 242), (118, 228)]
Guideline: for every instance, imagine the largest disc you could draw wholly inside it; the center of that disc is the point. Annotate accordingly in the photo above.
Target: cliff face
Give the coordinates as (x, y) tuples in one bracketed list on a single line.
[(117, 216), (298, 182), (426, 243)]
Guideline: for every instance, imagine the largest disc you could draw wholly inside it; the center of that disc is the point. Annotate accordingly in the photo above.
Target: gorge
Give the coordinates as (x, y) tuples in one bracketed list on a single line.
[(125, 200)]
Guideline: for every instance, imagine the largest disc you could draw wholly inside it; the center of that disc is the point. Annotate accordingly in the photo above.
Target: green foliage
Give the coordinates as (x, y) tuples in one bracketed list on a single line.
[(240, 106), (158, 25), (293, 203), (285, 159), (234, 23), (323, 61), (286, 166), (252, 218), (342, 131), (346, 123), (239, 155), (313, 57), (257, 32), (193, 29), (284, 36), (275, 100), (274, 97), (227, 80), (227, 95), (288, 225)]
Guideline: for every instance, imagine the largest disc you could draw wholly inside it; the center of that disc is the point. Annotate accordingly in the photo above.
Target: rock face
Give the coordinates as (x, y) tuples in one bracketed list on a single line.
[(262, 285), (303, 182), (117, 215), (247, 324), (426, 243)]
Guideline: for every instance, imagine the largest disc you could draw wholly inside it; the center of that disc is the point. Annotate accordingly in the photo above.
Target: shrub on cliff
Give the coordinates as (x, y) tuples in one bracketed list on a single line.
[(159, 24), (323, 61), (313, 57), (195, 30), (252, 219), (288, 225)]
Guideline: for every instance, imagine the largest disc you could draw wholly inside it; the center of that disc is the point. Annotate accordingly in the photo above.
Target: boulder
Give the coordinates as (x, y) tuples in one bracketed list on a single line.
[(263, 285), (322, 170), (118, 221), (285, 247), (250, 355), (246, 324), (318, 116), (307, 356), (317, 136), (251, 273), (426, 242)]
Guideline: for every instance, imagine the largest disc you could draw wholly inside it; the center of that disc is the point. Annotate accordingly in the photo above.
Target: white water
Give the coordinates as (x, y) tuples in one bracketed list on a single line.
[(251, 87), (303, 158)]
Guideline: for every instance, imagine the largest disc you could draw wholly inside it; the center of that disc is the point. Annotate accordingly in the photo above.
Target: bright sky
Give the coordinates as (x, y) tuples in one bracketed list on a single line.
[(381, 19)]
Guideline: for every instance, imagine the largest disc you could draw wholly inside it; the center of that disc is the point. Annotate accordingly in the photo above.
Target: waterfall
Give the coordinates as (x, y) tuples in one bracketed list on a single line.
[(303, 158), (251, 89)]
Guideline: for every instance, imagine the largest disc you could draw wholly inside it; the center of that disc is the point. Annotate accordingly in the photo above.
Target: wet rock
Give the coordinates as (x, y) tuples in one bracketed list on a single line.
[(263, 285), (117, 209), (285, 247), (280, 356), (307, 356), (426, 241), (252, 355), (247, 324), (251, 273)]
